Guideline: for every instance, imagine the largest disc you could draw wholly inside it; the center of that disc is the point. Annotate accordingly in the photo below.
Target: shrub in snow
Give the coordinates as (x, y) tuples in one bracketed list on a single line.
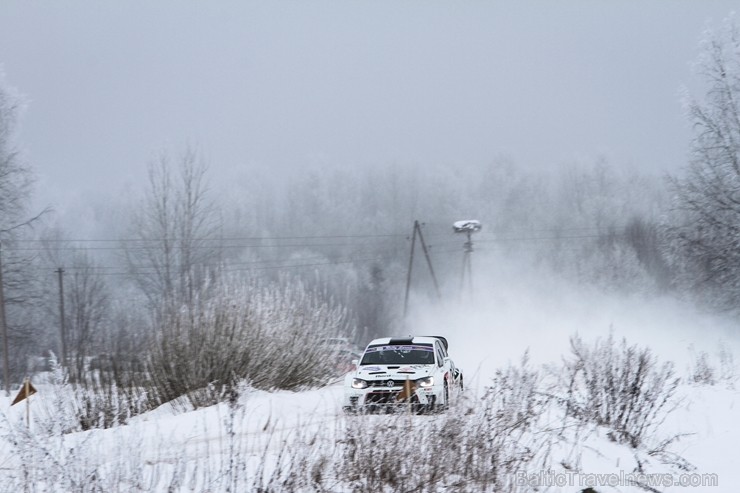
[(270, 335), (87, 403), (705, 370), (41, 462), (727, 368), (618, 386), (701, 371)]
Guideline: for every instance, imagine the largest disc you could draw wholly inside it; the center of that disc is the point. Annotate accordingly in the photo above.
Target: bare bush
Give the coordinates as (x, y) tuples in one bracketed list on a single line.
[(52, 460), (273, 336), (727, 368), (701, 370), (96, 402), (712, 369), (106, 405), (618, 386)]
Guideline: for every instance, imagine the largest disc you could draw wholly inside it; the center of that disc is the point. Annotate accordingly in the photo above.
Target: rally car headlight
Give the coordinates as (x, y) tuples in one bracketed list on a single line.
[(425, 382), (358, 383)]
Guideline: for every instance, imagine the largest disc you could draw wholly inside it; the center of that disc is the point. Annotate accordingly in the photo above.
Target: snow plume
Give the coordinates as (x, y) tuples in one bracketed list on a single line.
[(515, 308)]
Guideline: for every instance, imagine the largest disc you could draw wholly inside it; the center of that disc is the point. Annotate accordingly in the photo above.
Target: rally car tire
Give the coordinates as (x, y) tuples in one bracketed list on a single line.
[(441, 406)]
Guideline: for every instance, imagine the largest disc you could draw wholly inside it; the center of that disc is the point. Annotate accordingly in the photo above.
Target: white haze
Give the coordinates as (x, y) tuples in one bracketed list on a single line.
[(517, 308)]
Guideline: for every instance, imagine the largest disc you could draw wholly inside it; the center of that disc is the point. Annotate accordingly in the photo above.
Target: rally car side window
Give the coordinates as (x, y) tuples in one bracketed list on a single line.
[(442, 349), (440, 357)]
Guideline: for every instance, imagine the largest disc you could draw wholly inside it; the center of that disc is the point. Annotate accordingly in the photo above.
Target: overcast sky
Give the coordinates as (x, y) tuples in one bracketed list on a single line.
[(353, 83)]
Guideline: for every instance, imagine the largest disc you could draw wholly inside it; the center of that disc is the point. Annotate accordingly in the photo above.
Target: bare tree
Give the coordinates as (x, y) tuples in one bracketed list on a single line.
[(86, 300), (15, 175), (174, 231), (88, 306), (707, 237), (16, 180)]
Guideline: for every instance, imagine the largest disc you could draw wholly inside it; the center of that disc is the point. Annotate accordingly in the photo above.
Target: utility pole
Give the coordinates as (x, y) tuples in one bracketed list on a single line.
[(429, 260), (62, 332), (467, 270), (4, 327), (417, 231), (468, 228), (411, 265)]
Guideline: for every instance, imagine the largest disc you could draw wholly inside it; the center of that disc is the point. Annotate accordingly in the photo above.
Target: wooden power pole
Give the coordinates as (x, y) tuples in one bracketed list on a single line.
[(62, 331), (417, 231), (4, 327), (411, 266)]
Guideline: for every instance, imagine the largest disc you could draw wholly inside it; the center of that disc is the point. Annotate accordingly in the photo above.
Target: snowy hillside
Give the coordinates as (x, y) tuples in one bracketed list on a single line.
[(301, 441), (271, 437)]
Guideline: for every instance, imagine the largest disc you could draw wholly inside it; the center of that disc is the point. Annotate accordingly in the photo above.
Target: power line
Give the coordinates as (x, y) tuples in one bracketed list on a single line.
[(284, 263), (294, 237), (284, 245), (264, 263), (184, 247), (249, 265), (229, 263), (210, 238), (547, 238), (227, 268)]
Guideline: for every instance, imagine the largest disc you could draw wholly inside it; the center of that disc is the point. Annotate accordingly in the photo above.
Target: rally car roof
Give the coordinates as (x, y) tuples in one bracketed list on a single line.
[(409, 340)]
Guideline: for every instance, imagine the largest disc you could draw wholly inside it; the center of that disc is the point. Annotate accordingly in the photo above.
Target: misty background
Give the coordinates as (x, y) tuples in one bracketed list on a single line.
[(183, 157), (255, 85)]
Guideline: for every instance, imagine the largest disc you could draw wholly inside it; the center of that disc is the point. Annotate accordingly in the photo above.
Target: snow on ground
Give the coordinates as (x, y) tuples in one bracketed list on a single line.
[(483, 337), (509, 313), (707, 419), (164, 438)]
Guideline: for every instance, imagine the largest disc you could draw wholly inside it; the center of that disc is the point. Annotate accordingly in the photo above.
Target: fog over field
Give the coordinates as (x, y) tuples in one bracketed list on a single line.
[(197, 201)]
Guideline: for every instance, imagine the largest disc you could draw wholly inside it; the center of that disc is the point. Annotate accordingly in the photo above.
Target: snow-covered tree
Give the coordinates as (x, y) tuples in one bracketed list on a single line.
[(16, 180), (15, 175), (707, 236)]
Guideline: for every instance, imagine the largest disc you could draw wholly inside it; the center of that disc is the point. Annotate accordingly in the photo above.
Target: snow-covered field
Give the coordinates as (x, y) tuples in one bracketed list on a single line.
[(267, 438), (192, 451)]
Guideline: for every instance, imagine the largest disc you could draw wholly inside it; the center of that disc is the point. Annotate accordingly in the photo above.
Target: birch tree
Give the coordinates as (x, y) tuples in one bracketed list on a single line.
[(707, 236), (15, 175), (16, 180)]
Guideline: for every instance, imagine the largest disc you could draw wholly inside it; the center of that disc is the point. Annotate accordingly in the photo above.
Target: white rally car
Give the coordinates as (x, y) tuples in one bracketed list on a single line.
[(403, 371)]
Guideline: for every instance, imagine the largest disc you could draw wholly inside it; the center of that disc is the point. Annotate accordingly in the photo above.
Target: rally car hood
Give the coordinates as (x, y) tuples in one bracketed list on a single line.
[(398, 372)]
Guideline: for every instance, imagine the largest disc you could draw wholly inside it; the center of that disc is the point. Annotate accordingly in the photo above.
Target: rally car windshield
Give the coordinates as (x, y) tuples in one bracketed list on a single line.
[(410, 354)]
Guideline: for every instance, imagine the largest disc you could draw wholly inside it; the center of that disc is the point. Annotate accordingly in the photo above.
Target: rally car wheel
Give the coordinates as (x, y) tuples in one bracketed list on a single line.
[(440, 405)]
